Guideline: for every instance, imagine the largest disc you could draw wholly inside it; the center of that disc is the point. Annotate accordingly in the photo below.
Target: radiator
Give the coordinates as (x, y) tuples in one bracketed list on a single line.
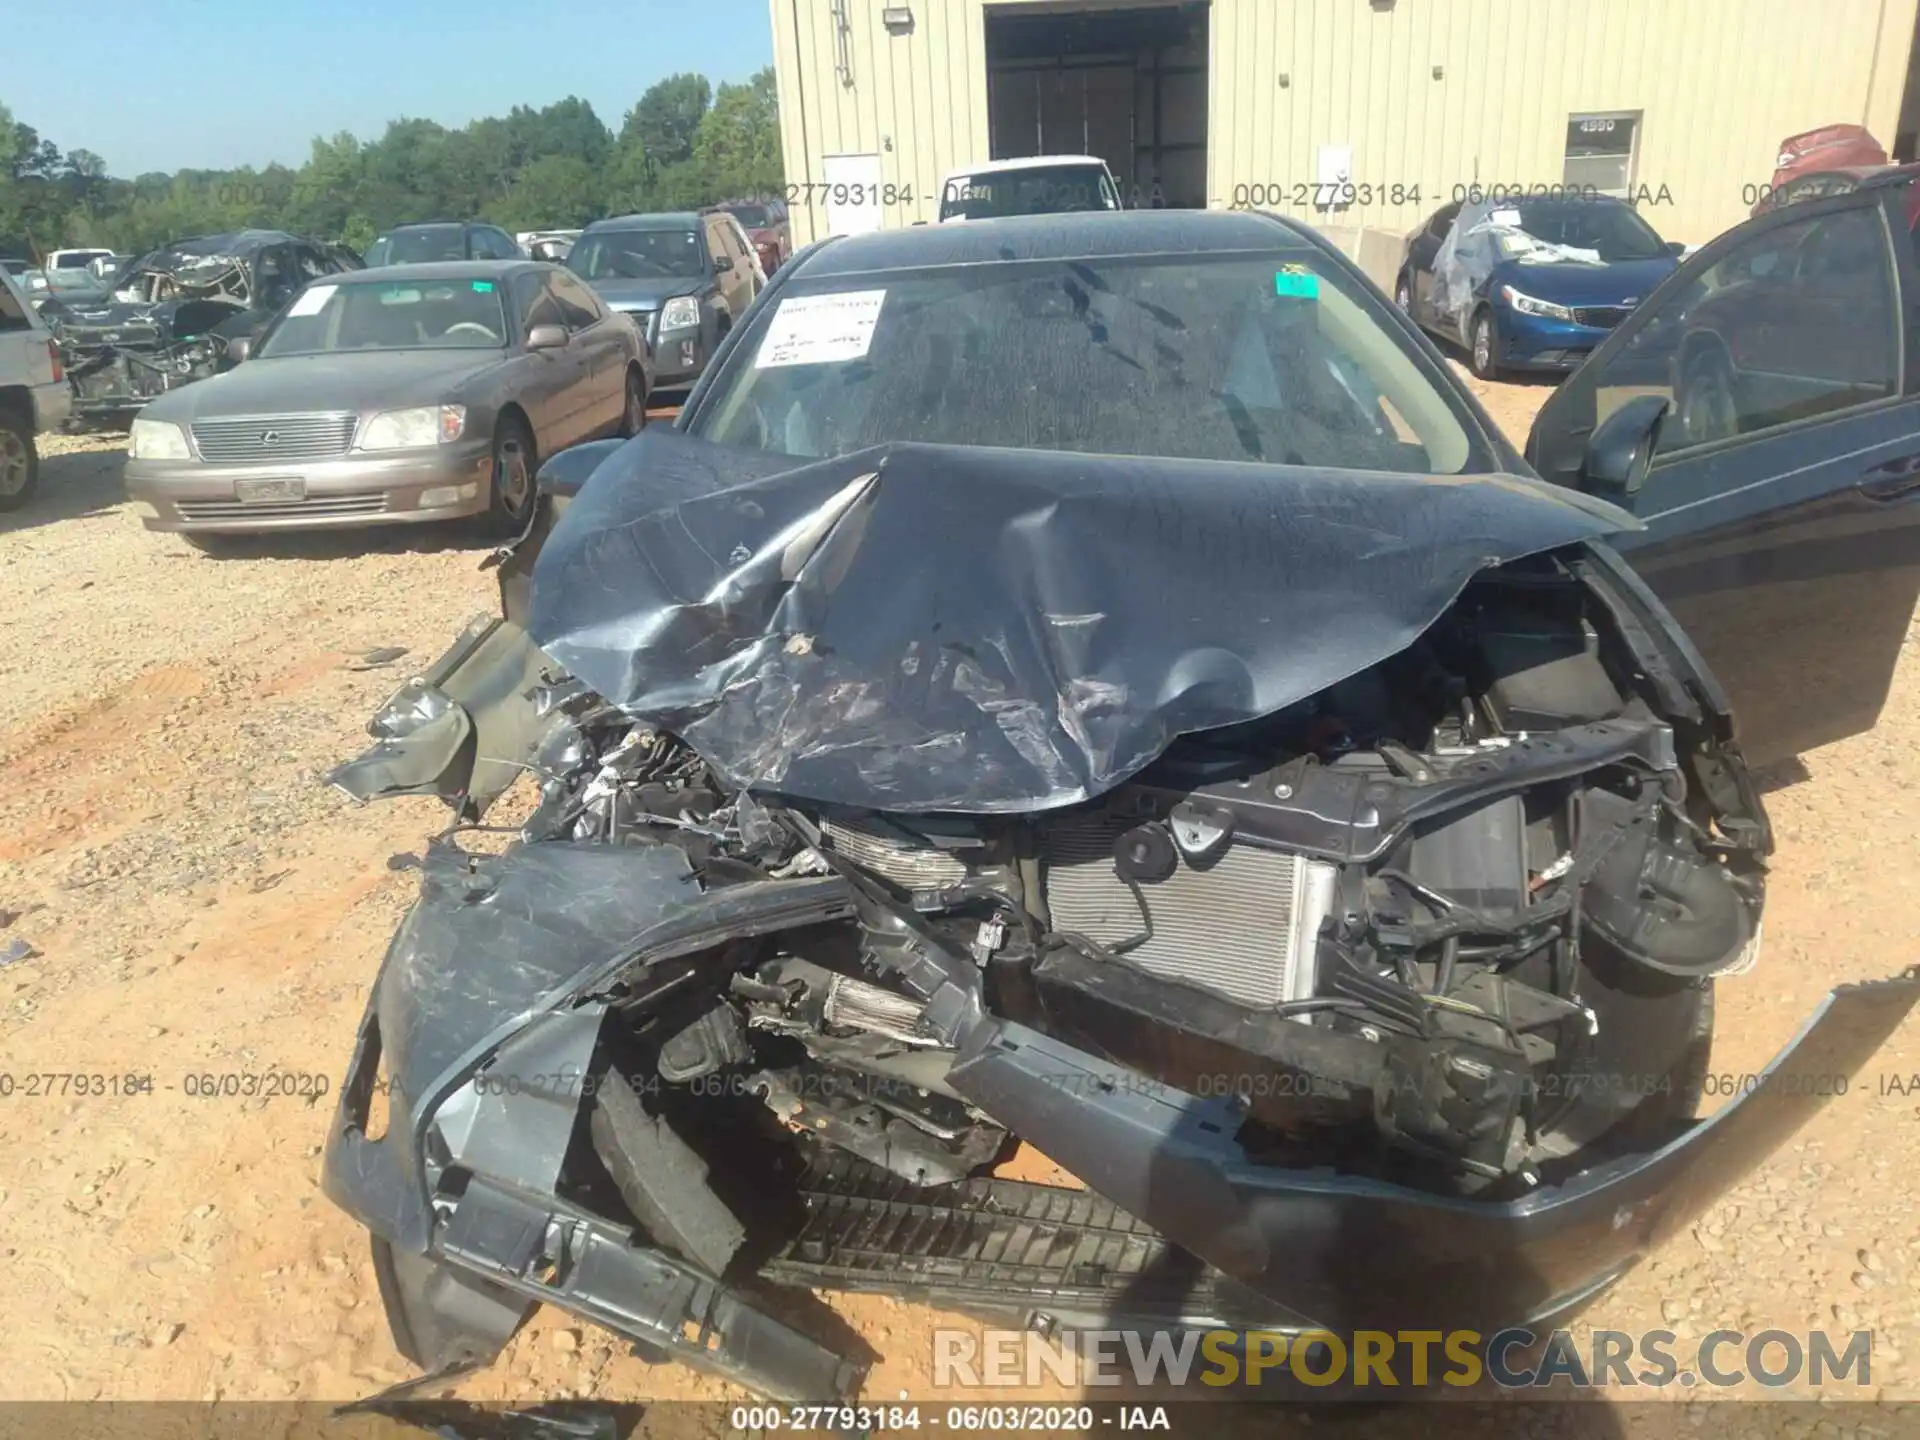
[(1244, 927)]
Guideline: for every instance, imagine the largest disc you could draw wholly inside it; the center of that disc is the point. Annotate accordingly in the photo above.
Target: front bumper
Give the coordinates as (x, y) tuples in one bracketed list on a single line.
[(1354, 1253), (496, 972), (491, 975), (679, 355), (1531, 342), (52, 405), (357, 489)]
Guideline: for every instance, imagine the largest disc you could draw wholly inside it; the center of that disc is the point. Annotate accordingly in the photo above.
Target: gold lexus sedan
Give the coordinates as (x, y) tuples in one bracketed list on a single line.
[(392, 396)]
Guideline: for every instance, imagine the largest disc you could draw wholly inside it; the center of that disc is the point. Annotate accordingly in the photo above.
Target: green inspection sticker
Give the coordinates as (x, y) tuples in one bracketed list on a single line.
[(1297, 281), (483, 286)]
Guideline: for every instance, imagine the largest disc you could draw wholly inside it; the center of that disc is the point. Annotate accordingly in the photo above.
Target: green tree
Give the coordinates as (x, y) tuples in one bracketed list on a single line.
[(557, 190), (668, 117), (556, 164), (737, 148)]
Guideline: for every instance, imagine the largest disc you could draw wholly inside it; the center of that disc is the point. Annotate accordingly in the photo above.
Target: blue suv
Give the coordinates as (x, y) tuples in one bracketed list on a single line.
[(1531, 284)]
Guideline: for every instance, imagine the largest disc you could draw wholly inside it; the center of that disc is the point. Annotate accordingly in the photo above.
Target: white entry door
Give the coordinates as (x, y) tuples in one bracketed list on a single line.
[(853, 193)]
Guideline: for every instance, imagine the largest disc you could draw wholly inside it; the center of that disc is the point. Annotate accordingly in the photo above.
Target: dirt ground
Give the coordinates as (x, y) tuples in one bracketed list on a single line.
[(198, 905)]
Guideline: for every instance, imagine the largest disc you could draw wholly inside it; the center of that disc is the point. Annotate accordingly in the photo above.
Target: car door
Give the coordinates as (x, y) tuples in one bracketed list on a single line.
[(1420, 257), (1782, 501), (602, 342), (551, 389)]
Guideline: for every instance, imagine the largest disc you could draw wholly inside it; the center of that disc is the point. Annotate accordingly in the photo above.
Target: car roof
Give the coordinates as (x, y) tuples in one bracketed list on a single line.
[(442, 225), (441, 270), (657, 220), (1027, 162), (1076, 235)]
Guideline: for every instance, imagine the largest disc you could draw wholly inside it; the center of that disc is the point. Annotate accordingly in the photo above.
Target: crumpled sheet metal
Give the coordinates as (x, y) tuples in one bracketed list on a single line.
[(923, 628), (1472, 250)]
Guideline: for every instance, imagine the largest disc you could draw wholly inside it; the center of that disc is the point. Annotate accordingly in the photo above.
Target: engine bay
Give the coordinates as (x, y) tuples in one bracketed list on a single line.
[(1416, 926)]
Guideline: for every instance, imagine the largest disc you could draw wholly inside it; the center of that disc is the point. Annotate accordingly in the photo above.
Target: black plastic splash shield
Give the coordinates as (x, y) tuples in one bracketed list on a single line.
[(938, 628)]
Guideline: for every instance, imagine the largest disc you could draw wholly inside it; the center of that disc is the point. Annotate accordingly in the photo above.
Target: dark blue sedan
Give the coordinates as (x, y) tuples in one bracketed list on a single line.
[(1531, 284)]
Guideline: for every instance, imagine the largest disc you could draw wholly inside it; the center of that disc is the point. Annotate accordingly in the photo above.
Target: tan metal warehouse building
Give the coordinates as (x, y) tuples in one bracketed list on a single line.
[(1341, 112)]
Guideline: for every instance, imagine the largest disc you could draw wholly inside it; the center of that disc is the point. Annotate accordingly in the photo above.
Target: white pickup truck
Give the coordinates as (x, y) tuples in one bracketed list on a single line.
[(34, 395)]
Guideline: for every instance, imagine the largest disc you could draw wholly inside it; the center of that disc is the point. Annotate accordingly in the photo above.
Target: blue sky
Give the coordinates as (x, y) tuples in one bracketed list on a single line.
[(233, 82)]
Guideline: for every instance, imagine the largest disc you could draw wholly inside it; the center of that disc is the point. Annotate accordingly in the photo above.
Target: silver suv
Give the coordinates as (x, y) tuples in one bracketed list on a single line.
[(34, 395)]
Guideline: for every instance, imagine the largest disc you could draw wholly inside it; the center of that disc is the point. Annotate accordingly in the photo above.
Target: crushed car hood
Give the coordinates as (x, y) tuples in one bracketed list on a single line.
[(924, 628)]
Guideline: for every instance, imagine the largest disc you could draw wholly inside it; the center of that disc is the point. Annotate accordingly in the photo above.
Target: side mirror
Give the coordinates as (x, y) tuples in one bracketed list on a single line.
[(1676, 248), (565, 472), (1621, 449), (547, 337), (239, 348), (722, 264)]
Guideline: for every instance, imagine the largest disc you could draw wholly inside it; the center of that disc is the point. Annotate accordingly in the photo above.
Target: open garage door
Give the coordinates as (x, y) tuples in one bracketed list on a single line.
[(1127, 83)]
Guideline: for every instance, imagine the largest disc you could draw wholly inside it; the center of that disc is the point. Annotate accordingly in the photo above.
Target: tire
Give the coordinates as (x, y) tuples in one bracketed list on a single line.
[(633, 418), (19, 460), (514, 465), (1483, 346)]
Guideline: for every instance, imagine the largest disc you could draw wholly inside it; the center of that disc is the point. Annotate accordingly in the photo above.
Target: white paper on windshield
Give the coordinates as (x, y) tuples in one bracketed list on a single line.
[(821, 329), (312, 302), (1505, 217)]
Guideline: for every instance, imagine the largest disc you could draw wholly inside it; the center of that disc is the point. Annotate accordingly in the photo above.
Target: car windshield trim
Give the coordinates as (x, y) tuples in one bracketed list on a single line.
[(1480, 451)]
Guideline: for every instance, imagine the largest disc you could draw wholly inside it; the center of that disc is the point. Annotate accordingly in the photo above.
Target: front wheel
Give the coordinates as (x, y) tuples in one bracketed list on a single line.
[(19, 460), (513, 471), (1483, 346)]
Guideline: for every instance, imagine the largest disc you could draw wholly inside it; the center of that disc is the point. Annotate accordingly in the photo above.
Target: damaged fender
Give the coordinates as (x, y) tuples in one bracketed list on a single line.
[(483, 1023)]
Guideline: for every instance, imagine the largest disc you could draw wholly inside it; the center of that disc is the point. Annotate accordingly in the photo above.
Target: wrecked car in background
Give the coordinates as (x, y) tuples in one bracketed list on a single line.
[(170, 315), (1533, 283), (1244, 782)]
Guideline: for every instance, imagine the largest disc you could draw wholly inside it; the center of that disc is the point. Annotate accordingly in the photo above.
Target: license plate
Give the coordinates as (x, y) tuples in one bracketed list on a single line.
[(256, 492)]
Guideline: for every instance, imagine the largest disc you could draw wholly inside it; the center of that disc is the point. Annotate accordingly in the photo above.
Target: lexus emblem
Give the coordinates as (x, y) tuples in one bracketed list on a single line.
[(272, 437)]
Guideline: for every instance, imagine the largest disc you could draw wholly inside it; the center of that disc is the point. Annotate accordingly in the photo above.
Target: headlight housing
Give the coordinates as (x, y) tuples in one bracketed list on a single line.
[(414, 429), (681, 313), (157, 440), (1528, 305)]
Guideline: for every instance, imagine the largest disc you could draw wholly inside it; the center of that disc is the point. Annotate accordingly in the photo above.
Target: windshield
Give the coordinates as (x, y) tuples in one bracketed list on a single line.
[(368, 315), (75, 259), (754, 217), (1271, 357), (1615, 230), (426, 244), (71, 281), (637, 255), (1041, 190)]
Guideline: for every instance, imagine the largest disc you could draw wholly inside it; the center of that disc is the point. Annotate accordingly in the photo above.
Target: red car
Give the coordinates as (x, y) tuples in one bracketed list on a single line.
[(1828, 161), (765, 222)]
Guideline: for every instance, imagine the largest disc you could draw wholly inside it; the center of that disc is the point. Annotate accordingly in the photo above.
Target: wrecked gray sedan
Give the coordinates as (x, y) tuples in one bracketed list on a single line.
[(1093, 681)]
